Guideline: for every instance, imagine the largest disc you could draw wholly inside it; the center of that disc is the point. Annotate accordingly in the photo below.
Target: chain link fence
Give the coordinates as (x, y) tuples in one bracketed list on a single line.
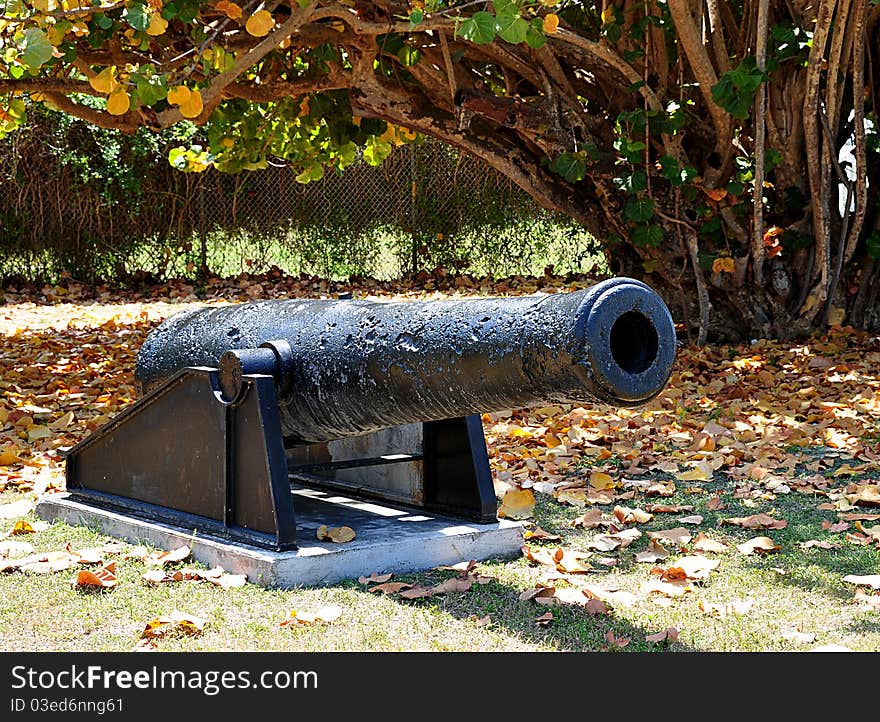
[(426, 206)]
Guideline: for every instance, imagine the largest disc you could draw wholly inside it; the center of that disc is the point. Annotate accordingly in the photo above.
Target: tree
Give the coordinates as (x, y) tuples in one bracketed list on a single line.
[(720, 150)]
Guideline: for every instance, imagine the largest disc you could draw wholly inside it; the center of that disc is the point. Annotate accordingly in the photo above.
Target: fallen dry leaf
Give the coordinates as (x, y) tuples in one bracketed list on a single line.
[(589, 519), (375, 578), (670, 634), (390, 587), (161, 558), (868, 580), (758, 545), (756, 521), (654, 553), (834, 527), (175, 623), (702, 543), (693, 519), (538, 534), (103, 578), (303, 618), (517, 504), (615, 641), (673, 589), (690, 567), (679, 535), (338, 534), (545, 620)]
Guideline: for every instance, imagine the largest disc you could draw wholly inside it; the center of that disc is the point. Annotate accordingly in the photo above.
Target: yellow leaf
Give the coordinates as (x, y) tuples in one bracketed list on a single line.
[(39, 432), (230, 9), (260, 23), (178, 95), (105, 81), (157, 26), (600, 480), (193, 106), (118, 102), (517, 504), (695, 474), (339, 534), (723, 264), (608, 15), (551, 23)]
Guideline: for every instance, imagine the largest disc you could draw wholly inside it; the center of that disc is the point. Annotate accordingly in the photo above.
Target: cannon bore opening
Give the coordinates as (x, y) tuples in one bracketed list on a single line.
[(634, 342)]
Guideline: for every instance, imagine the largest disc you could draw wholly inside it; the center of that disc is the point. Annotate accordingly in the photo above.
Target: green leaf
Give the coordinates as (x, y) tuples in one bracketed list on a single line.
[(137, 16), (416, 16), (570, 166), (632, 182), (36, 49), (639, 210), (735, 91), (151, 88), (408, 56), (648, 235), (512, 29), (479, 28), (535, 37)]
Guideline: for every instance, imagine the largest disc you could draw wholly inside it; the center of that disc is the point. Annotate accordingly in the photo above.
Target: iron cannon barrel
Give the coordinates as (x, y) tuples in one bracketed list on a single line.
[(350, 367)]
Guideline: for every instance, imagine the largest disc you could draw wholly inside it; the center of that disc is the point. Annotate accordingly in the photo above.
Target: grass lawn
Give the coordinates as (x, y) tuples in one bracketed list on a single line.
[(785, 431)]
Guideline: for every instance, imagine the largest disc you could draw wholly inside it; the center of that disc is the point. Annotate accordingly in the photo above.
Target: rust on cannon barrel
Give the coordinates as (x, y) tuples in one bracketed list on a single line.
[(349, 367)]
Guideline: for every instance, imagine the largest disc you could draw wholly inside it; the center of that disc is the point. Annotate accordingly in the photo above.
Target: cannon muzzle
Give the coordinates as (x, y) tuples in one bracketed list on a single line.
[(349, 367)]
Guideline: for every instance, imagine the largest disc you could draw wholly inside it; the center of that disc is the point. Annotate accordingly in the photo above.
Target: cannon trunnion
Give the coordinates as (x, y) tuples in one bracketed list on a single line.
[(376, 400)]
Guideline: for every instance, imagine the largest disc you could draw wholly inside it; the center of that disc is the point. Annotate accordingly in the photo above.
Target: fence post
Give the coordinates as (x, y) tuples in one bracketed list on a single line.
[(412, 210), (203, 235)]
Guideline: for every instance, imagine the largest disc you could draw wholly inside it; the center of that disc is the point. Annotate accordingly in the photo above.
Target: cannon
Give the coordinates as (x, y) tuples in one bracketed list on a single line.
[(377, 399)]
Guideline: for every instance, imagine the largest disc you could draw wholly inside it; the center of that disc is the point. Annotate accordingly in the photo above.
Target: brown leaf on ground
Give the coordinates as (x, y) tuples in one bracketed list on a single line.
[(570, 562), (654, 553), (537, 594), (103, 578), (859, 517), (715, 503), (161, 558), (517, 504), (702, 543), (462, 568), (538, 534), (375, 578), (416, 593), (834, 527), (390, 587), (756, 521), (823, 544), (863, 494), (678, 535), (661, 489), (589, 519), (670, 634), (758, 545), (455, 584), (668, 508), (691, 567), (545, 620), (624, 515), (693, 519), (615, 641), (539, 556)]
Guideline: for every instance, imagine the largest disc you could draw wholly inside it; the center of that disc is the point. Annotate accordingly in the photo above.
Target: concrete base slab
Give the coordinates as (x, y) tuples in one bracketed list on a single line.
[(388, 539)]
